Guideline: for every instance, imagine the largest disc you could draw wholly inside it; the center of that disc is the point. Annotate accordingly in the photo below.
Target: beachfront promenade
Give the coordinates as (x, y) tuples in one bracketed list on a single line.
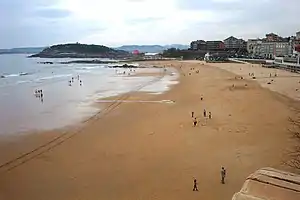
[(276, 63), (152, 151)]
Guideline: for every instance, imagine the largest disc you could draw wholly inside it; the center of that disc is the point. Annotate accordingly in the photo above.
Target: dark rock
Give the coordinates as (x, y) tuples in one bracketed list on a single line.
[(45, 62), (89, 62), (124, 66)]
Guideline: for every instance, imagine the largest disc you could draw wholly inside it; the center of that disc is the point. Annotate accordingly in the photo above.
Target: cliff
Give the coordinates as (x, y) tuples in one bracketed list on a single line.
[(77, 50)]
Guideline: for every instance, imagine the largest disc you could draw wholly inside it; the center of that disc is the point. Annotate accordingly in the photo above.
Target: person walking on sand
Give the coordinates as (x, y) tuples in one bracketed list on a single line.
[(195, 122), (204, 113), (209, 115), (223, 175), (195, 188), (192, 114)]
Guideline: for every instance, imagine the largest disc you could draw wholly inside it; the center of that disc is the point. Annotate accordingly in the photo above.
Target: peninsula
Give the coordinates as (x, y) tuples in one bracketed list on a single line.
[(77, 50)]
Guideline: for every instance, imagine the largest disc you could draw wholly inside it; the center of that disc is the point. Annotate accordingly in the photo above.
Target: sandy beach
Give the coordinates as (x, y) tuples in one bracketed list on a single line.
[(146, 150)]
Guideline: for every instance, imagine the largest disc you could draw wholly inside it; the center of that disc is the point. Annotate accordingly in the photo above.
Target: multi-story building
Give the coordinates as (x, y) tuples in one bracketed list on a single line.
[(273, 49), (243, 44), (271, 46), (198, 45), (298, 35), (234, 43), (215, 45), (254, 47)]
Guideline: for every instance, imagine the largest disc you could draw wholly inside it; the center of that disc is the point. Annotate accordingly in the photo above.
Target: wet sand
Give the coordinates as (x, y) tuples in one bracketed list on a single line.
[(152, 151)]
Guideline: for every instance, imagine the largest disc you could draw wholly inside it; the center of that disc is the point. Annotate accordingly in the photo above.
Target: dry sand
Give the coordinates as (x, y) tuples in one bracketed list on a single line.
[(151, 151), (286, 83)]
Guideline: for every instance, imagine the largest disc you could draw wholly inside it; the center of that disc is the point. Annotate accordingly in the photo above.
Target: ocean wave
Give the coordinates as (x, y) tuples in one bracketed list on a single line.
[(53, 77), (15, 75), (22, 82), (89, 68)]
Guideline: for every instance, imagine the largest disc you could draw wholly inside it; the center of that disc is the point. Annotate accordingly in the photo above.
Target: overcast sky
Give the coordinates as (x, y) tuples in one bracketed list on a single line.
[(117, 22)]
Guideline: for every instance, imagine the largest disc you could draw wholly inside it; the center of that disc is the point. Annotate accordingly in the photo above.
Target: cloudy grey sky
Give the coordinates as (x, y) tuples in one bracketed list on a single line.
[(118, 22)]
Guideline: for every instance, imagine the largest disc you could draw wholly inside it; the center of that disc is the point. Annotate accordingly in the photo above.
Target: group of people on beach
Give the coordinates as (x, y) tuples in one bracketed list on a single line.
[(195, 122), (39, 94), (205, 114), (124, 72), (275, 75), (72, 81)]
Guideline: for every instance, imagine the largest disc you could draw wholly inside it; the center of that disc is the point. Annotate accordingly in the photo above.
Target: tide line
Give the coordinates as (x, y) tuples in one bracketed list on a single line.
[(135, 101)]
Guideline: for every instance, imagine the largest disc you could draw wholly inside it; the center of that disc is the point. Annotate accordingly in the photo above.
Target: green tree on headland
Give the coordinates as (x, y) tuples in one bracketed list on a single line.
[(79, 48)]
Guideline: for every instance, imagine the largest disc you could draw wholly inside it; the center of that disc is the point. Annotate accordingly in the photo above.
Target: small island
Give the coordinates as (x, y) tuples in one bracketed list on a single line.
[(77, 50)]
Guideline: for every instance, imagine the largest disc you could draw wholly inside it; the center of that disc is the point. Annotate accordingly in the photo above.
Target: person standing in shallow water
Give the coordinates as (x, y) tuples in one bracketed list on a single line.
[(195, 188), (223, 175)]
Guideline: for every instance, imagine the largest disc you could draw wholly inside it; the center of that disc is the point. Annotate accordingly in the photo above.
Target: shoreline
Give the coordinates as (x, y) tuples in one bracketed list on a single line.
[(140, 149), (76, 103)]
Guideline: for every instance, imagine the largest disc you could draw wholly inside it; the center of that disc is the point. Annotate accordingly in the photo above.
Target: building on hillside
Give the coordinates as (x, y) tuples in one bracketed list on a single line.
[(198, 45), (215, 45), (234, 43)]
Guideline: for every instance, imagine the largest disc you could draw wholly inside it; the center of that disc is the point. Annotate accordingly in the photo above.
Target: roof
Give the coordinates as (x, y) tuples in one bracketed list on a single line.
[(271, 34), (214, 41), (231, 38), (269, 183)]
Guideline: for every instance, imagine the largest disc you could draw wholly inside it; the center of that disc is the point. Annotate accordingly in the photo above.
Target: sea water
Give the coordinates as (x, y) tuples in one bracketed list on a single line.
[(22, 111)]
